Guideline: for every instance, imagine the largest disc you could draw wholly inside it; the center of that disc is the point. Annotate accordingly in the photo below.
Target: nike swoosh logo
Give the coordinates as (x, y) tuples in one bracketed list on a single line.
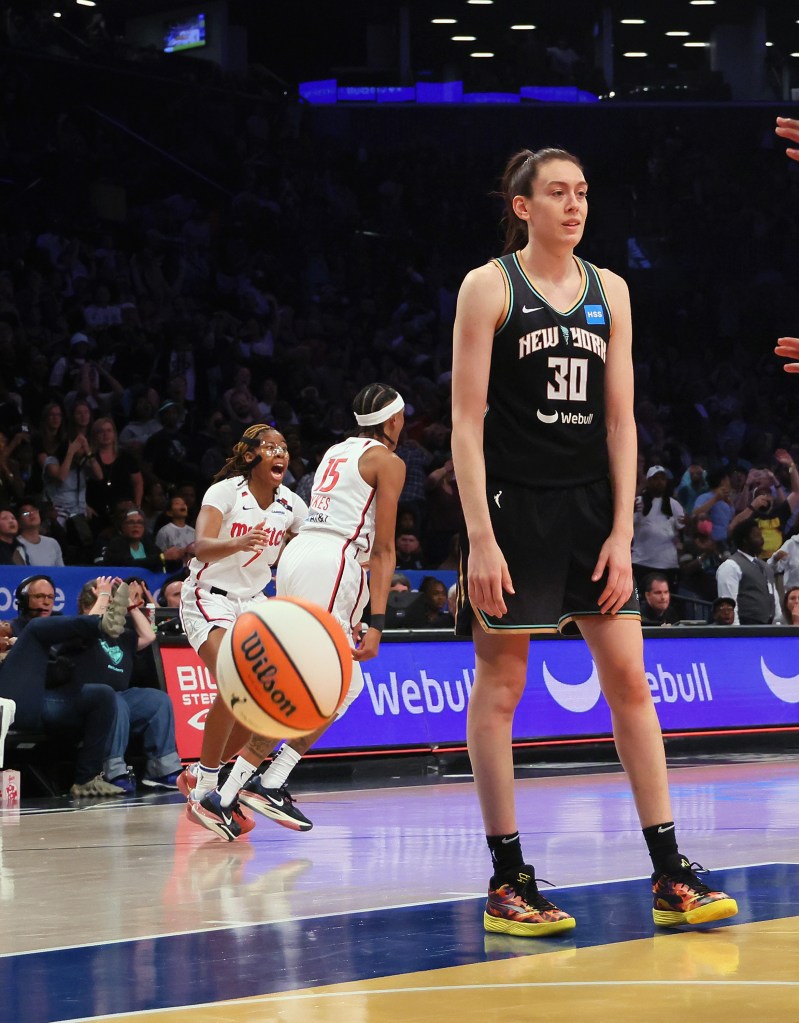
[(510, 838), (545, 418), (537, 309), (275, 802), (497, 497), (662, 830), (247, 507)]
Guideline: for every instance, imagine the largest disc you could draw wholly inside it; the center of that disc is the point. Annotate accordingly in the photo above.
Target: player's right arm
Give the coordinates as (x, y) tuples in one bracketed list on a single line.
[(481, 307), (210, 546)]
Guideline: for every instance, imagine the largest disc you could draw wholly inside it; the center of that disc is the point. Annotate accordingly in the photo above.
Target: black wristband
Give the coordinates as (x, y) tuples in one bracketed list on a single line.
[(377, 622)]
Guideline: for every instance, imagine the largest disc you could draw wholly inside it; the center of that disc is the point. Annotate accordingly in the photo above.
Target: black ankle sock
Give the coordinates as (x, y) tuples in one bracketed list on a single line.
[(661, 841), (506, 853)]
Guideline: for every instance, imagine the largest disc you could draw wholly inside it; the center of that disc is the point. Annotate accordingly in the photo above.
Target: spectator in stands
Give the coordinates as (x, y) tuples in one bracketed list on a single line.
[(120, 476), (416, 459), (434, 602), (785, 561), (12, 484), (748, 579), (400, 583), (169, 594), (80, 415), (657, 529), (140, 710), (50, 695), (723, 611), (154, 505), (166, 453), (790, 606), (700, 559), (40, 550), (65, 475), (717, 506), (443, 514), (51, 436), (66, 373), (134, 547), (188, 491), (692, 486), (409, 551), (12, 551), (657, 607), (770, 513), (216, 454), (176, 533), (142, 425)]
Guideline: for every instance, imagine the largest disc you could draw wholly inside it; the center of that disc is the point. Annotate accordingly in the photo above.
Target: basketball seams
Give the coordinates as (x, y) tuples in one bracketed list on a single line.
[(268, 635)]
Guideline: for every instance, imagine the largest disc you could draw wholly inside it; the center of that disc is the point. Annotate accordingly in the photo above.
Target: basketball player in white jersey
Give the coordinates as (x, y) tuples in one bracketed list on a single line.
[(544, 444), (351, 523), (247, 516)]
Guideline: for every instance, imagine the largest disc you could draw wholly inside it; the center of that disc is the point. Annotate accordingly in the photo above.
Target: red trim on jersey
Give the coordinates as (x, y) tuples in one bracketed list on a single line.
[(202, 610), (344, 550), (361, 588)]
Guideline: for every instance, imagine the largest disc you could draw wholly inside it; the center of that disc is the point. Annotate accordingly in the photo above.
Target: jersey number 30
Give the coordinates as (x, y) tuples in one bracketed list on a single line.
[(571, 379)]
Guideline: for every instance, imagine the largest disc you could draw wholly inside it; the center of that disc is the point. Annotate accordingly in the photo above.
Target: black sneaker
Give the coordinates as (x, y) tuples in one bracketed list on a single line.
[(277, 804)]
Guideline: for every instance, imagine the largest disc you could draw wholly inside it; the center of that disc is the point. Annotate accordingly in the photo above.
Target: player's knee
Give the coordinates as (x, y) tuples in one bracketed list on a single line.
[(628, 689)]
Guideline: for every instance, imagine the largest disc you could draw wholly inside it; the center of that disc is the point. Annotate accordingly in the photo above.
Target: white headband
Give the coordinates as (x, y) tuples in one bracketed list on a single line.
[(375, 418)]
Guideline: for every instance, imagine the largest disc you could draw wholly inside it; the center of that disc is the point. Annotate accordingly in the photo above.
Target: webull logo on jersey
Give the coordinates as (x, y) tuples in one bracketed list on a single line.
[(665, 686)]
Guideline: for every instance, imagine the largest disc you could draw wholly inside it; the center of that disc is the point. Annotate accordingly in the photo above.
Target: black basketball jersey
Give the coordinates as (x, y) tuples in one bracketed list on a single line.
[(545, 419)]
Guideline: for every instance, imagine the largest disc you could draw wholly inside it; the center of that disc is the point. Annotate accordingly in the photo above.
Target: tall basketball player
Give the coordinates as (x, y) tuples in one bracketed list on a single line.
[(544, 445)]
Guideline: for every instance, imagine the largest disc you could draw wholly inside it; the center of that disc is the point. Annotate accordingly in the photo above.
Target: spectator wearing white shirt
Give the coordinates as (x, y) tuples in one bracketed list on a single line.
[(748, 579), (657, 529), (785, 561)]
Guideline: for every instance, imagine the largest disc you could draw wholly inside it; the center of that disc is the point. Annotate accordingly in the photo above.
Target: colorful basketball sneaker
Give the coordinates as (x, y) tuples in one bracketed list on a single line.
[(517, 907), (681, 898), (209, 813), (276, 804)]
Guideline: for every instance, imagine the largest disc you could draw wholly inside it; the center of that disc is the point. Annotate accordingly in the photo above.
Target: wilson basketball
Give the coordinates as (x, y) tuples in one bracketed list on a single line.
[(284, 668)]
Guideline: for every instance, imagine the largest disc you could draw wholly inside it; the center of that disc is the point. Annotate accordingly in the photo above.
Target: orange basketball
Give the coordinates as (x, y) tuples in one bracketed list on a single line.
[(284, 668)]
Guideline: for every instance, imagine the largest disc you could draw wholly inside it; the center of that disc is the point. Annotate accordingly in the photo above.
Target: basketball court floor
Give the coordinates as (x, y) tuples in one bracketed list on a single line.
[(122, 909)]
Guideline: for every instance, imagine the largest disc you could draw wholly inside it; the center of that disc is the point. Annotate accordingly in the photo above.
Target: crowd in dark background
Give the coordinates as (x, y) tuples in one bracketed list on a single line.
[(184, 258)]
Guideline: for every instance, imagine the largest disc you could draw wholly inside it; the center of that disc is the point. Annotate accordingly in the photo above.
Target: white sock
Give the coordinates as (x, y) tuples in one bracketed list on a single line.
[(240, 774), (206, 779), (276, 775)]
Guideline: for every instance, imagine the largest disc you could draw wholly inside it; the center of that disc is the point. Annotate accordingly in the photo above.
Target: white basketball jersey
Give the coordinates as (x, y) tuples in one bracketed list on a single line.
[(247, 572), (342, 502)]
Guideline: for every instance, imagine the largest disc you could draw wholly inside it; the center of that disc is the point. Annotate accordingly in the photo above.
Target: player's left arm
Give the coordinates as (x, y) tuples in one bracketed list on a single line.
[(390, 479), (615, 557)]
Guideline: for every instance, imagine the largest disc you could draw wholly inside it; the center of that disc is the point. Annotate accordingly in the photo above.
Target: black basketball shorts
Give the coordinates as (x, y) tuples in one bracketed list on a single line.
[(551, 540)]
